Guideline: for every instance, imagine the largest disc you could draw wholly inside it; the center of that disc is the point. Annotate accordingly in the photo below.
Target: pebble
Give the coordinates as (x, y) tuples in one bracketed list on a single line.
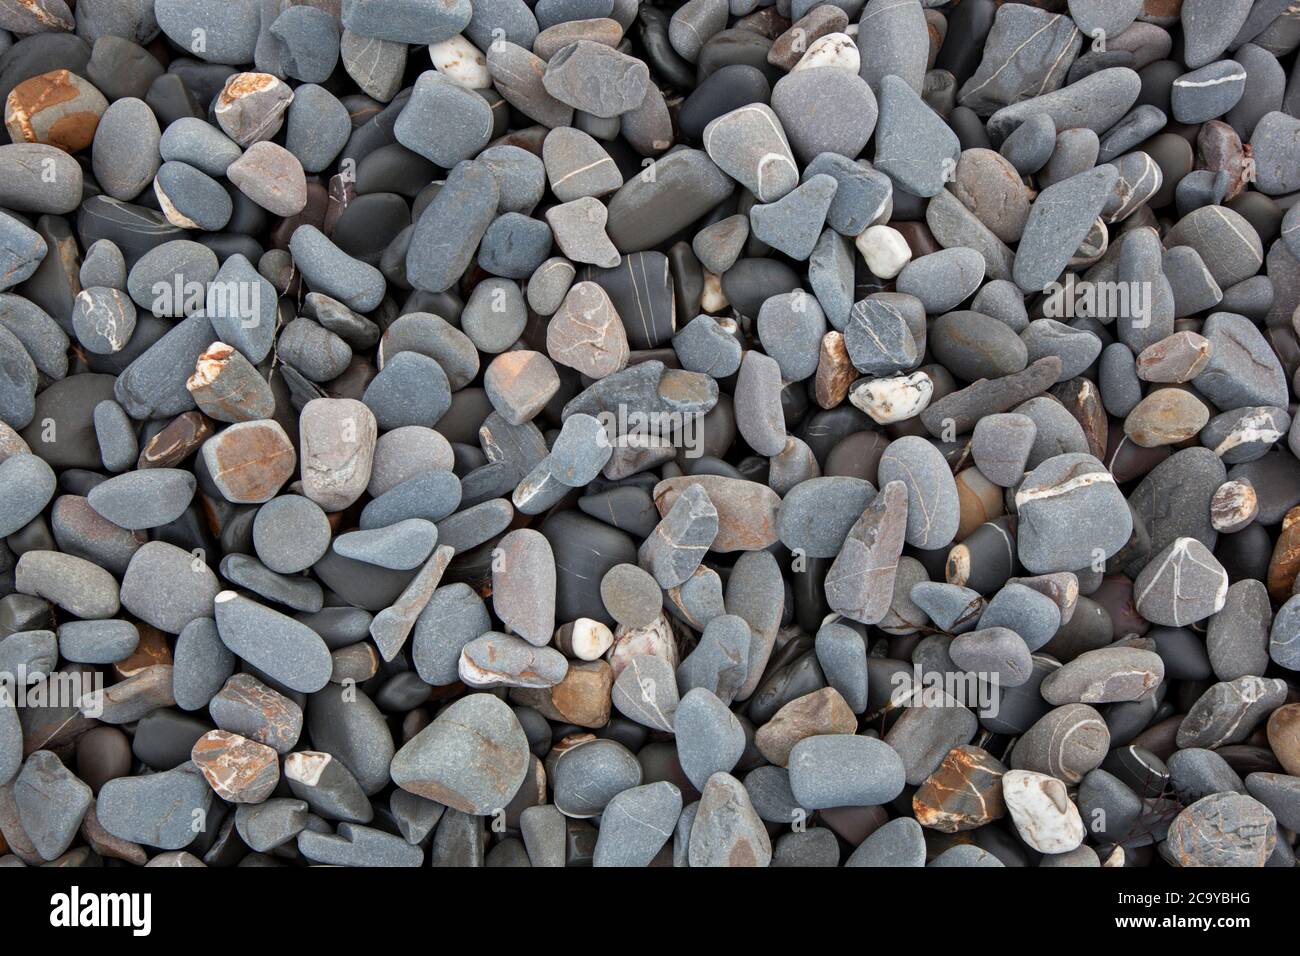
[(726, 831), (333, 438)]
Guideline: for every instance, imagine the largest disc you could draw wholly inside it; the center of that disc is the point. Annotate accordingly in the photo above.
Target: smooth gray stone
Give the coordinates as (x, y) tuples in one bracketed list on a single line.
[(839, 770), (431, 495), (201, 664), (864, 195), (1031, 614), (21, 251), (518, 76), (994, 651), (272, 823), (791, 327), (299, 593), (317, 127), (1225, 241), (115, 435), (932, 505), (1279, 792), (330, 270), (167, 587), (494, 659), (329, 788), (878, 336), (103, 265), (793, 223), (943, 280), (587, 777), (686, 185), (914, 146), (825, 109), (759, 418), (1071, 514), (290, 534), (894, 40), (831, 275), (407, 21), (356, 845), (27, 484), (153, 284), (899, 842), (703, 345), (97, 642), (443, 121), (681, 539), (1209, 92), (816, 515), (720, 244), (400, 546), (965, 855), (139, 500), (39, 179), (1242, 370), (1096, 102), (1059, 220), (1182, 584), (198, 144), (1031, 145), (1284, 637), (1236, 637), (710, 739), (241, 306), (157, 809), (1210, 27), (1228, 711), (1028, 52), (229, 32), (646, 691), (749, 144), (636, 824), (288, 651), (719, 663), (596, 79), (448, 231), (411, 389), (954, 226), (309, 38), (816, 846), (842, 654), (50, 801)]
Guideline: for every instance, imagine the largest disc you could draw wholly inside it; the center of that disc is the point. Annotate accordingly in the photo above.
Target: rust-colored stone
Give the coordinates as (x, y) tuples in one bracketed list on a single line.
[(57, 108), (835, 371), (582, 698), (821, 712), (1284, 737), (151, 651), (746, 509), (1284, 565), (181, 437), (238, 769), (964, 793), (250, 461)]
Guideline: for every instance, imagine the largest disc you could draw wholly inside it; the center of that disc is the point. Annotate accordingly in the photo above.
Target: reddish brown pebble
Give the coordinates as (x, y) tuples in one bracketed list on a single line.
[(746, 509), (964, 793), (56, 108), (238, 769), (1284, 565), (821, 712), (226, 386), (181, 437), (835, 371), (250, 461), (1177, 358), (582, 698), (1233, 506)]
